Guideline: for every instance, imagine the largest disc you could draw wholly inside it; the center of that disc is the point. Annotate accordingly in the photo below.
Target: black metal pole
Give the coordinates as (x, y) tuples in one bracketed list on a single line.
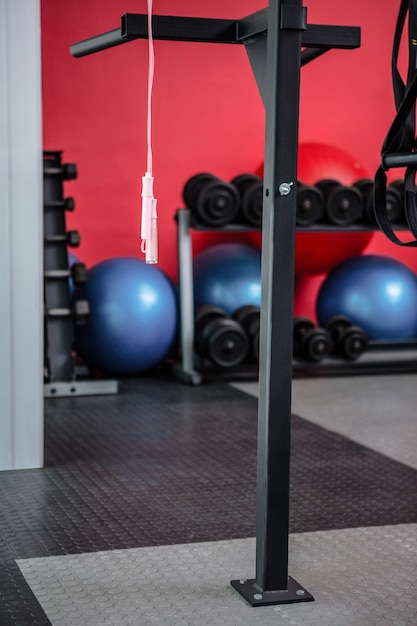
[(275, 375), (281, 97)]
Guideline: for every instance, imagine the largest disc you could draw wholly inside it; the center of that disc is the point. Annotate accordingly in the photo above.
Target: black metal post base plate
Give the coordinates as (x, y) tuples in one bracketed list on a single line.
[(255, 596)]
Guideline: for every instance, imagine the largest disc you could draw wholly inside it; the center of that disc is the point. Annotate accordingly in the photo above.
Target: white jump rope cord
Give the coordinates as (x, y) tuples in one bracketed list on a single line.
[(149, 227)]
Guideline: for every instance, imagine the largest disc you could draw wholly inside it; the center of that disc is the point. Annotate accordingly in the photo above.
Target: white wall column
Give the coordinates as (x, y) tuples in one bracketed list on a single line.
[(21, 239)]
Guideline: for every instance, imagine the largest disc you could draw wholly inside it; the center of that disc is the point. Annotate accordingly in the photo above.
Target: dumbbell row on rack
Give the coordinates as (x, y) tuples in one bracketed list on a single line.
[(216, 203), (339, 338), (227, 342)]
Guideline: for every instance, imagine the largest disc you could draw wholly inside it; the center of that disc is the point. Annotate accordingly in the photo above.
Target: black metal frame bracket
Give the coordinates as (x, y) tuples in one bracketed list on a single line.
[(278, 41), (170, 28)]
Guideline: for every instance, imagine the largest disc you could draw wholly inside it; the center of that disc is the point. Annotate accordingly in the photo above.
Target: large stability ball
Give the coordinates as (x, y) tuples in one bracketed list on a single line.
[(317, 161), (228, 275), (318, 252), (133, 317), (376, 292)]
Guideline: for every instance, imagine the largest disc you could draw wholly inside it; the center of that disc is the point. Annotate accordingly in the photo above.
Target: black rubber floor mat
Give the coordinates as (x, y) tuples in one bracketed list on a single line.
[(163, 463)]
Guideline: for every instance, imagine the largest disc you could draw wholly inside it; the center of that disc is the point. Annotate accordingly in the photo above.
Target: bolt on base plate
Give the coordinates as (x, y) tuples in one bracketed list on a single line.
[(255, 596)]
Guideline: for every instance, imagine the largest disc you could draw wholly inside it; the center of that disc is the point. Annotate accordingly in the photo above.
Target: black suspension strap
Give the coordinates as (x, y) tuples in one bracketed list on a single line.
[(400, 145)]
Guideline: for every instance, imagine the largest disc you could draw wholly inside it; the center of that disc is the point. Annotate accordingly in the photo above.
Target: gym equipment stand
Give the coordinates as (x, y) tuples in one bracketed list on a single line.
[(273, 39), (381, 357), (60, 314)]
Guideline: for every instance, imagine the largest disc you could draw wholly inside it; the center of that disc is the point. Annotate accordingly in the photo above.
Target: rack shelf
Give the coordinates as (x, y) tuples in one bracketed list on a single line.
[(381, 357)]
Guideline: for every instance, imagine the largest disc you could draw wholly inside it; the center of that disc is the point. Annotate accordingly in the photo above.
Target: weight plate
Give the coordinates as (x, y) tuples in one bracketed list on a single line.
[(353, 343), (317, 345), (192, 187), (204, 314), (217, 203), (252, 205), (302, 325), (226, 345), (246, 314), (336, 325), (255, 334), (344, 206), (326, 185), (248, 317), (393, 206), (310, 205), (243, 180), (365, 186)]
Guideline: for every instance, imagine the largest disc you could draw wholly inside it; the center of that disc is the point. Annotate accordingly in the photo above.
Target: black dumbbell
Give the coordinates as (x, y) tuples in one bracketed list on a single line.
[(393, 197), (250, 189), (342, 204), (248, 317), (310, 205), (214, 202), (219, 338), (68, 204), (81, 311), (79, 273), (71, 237), (310, 342), (68, 171), (349, 341)]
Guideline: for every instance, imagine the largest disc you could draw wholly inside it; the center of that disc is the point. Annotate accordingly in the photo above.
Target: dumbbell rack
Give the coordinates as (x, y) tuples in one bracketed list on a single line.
[(381, 357), (60, 370), (191, 368)]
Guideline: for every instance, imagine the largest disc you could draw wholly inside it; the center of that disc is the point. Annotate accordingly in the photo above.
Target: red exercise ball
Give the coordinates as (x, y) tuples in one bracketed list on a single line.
[(318, 252), (317, 161)]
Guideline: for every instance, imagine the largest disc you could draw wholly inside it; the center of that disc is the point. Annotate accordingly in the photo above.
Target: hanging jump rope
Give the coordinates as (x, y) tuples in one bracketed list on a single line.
[(400, 145), (149, 227)]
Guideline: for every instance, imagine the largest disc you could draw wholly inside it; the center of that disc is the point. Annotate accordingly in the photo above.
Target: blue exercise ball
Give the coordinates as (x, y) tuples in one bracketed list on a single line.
[(375, 292), (228, 275), (133, 317)]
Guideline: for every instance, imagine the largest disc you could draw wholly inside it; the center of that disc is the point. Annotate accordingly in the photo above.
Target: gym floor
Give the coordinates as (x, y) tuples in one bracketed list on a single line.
[(145, 509)]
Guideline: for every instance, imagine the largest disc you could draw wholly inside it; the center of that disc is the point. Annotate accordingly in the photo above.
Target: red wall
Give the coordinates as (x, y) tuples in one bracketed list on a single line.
[(207, 113)]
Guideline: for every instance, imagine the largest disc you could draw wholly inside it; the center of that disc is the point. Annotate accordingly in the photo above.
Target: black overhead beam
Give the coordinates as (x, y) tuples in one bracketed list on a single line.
[(171, 28)]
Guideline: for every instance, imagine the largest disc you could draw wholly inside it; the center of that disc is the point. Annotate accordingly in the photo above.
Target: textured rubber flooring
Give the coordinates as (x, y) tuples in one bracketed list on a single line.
[(163, 463), (190, 584), (376, 411)]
